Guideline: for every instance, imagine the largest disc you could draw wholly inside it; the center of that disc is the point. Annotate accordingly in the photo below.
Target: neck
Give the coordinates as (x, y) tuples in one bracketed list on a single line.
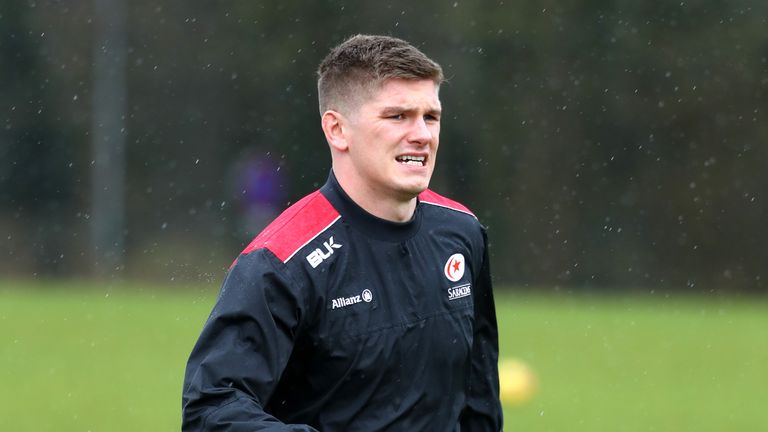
[(376, 202)]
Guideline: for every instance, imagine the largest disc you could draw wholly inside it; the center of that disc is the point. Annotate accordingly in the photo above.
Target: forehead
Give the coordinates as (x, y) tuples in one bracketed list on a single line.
[(405, 93)]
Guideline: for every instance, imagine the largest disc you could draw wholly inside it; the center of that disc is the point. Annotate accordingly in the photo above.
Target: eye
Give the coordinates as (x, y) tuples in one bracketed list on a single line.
[(431, 118), (397, 117)]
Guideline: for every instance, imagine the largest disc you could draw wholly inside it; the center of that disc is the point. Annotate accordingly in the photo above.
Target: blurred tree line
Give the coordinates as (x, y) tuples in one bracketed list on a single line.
[(605, 143)]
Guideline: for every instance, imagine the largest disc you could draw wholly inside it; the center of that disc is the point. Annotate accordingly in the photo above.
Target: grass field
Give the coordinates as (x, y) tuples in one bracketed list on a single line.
[(77, 357)]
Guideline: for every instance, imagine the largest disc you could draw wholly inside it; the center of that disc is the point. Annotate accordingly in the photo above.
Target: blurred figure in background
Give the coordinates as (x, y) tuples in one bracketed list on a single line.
[(259, 191)]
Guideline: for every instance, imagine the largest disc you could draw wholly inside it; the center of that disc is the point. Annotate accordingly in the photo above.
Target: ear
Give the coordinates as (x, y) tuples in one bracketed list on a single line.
[(333, 124)]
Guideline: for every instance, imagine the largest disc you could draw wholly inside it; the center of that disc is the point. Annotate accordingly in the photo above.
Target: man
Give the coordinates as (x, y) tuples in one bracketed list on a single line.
[(367, 305)]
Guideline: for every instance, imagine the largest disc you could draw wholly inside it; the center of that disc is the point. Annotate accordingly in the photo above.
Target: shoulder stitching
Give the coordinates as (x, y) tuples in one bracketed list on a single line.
[(296, 227), (312, 238), (432, 198)]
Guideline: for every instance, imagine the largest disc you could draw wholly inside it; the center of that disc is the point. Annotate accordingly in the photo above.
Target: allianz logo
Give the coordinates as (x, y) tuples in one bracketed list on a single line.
[(317, 256), (459, 292), (365, 296)]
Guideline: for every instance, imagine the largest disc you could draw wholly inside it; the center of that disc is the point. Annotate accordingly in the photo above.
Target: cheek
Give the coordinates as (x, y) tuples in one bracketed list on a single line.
[(370, 154), (436, 132)]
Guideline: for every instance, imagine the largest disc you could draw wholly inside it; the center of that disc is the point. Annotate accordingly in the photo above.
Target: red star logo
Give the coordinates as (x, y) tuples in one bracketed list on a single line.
[(454, 267)]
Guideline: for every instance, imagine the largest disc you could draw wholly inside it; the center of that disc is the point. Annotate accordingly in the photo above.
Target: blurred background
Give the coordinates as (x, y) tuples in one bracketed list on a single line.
[(615, 149)]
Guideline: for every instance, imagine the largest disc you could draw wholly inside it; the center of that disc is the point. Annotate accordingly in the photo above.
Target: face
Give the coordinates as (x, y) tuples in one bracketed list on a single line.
[(393, 137)]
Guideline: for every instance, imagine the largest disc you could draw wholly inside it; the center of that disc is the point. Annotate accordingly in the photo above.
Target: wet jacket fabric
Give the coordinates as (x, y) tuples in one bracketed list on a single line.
[(335, 320)]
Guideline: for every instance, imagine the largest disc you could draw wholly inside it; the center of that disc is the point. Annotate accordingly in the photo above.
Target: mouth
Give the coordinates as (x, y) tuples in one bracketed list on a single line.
[(412, 160)]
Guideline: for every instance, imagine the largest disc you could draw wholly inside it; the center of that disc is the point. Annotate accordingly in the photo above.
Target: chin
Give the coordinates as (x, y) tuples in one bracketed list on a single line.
[(415, 188)]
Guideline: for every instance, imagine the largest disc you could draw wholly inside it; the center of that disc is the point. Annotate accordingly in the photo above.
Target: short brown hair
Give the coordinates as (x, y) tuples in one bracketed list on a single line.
[(364, 62)]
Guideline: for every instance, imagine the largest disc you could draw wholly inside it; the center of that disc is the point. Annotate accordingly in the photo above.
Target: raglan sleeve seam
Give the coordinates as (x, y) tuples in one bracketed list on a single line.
[(285, 270)]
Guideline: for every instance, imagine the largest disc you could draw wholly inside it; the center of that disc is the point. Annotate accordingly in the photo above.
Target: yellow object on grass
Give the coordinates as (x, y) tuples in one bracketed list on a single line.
[(517, 382)]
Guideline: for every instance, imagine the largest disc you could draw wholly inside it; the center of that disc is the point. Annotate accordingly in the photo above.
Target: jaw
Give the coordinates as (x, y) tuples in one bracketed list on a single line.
[(412, 179)]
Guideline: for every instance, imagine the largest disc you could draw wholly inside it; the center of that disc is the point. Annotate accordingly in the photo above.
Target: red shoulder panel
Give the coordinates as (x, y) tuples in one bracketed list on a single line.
[(295, 227), (430, 197)]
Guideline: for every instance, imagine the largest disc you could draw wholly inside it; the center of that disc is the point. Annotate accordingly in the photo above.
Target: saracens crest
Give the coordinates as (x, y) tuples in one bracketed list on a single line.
[(454, 268)]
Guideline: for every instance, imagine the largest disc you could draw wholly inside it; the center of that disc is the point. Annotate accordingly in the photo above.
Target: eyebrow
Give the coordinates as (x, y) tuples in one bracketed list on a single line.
[(400, 109)]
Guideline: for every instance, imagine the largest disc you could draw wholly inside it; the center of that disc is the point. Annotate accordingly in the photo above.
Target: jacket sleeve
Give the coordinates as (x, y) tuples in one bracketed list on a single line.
[(483, 409), (243, 349)]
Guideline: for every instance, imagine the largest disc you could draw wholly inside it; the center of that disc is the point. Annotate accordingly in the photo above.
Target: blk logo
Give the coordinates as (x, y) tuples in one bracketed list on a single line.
[(454, 268), (318, 255)]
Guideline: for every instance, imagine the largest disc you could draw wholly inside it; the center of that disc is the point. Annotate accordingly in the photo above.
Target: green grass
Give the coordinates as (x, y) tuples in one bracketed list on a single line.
[(108, 359), (639, 363), (89, 358)]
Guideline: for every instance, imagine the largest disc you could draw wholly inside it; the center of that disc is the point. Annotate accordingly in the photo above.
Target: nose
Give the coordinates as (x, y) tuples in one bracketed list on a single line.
[(420, 132)]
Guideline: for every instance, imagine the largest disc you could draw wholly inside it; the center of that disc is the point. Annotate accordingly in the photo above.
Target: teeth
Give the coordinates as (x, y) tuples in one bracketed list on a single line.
[(411, 160)]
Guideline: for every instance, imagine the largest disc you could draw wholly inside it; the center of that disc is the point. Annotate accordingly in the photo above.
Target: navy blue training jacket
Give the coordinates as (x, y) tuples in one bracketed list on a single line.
[(335, 320)]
